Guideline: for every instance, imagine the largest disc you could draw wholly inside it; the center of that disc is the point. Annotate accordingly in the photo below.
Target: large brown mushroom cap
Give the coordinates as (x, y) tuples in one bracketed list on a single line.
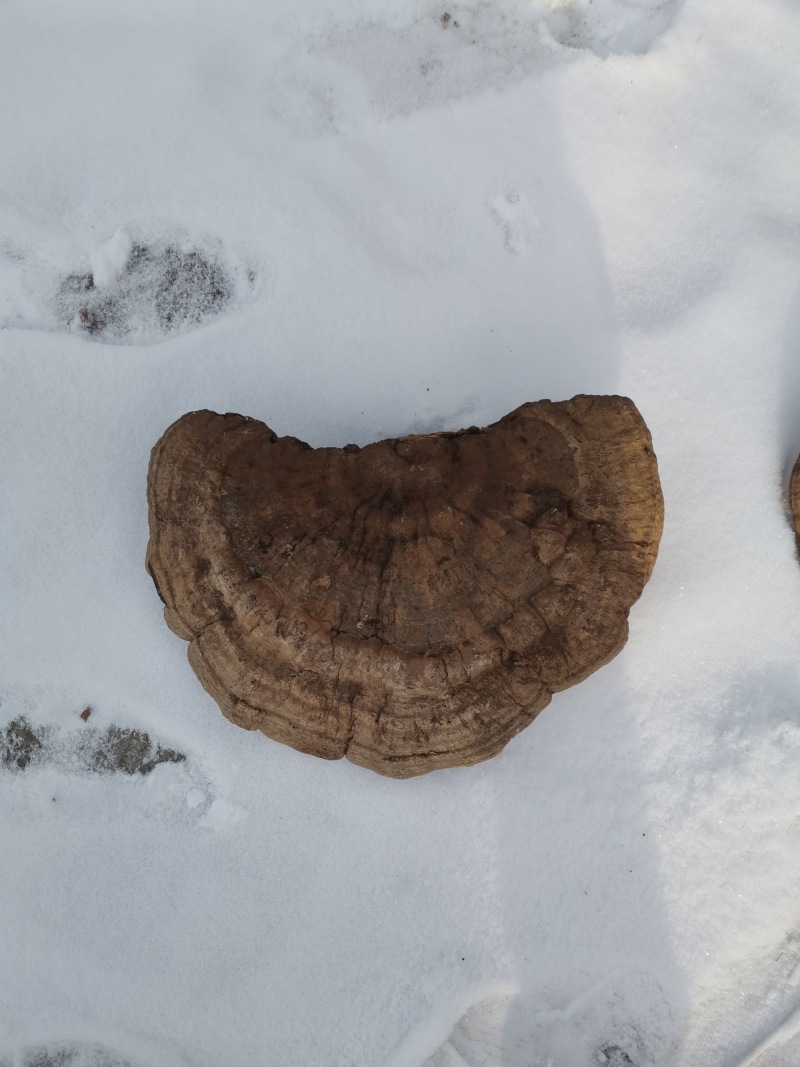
[(412, 604)]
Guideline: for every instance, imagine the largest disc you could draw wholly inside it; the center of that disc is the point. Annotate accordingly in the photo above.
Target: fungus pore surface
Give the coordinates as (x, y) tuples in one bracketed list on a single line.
[(412, 604)]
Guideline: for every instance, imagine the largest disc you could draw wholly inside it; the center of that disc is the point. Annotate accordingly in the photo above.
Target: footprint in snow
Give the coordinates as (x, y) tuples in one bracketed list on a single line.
[(347, 74), (477, 1039), (128, 290), (55, 1054), (133, 290), (84, 1054), (614, 1056), (115, 749), (518, 222), (118, 752), (594, 1029), (73, 1056), (610, 26)]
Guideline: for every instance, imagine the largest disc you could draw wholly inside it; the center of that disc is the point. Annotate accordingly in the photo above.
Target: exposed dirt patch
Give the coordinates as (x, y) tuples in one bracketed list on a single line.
[(115, 749), (614, 1056), (73, 1056), (21, 744), (160, 288)]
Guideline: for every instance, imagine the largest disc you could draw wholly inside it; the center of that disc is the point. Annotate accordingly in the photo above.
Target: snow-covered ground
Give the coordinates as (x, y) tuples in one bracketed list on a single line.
[(386, 217)]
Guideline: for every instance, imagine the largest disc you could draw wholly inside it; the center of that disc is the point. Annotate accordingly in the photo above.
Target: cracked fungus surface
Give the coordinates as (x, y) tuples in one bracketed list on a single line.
[(412, 604)]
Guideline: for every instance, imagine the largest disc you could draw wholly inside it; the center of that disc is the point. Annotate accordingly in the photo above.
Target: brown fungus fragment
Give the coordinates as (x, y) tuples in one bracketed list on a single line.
[(412, 604)]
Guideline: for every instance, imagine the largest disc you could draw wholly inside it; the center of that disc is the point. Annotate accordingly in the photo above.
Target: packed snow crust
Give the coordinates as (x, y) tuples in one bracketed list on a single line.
[(421, 222)]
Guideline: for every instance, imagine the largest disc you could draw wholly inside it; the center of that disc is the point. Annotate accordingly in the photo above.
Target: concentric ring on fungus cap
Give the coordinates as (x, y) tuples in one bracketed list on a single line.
[(412, 604)]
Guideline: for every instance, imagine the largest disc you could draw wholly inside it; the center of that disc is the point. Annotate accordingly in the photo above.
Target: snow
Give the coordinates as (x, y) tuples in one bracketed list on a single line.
[(412, 223), (110, 259)]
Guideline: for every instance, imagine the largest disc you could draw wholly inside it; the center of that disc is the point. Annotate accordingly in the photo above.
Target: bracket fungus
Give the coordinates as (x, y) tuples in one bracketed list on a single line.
[(412, 604)]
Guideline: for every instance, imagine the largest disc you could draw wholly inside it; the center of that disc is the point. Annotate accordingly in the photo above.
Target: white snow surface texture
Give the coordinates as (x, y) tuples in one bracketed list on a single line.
[(421, 222)]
